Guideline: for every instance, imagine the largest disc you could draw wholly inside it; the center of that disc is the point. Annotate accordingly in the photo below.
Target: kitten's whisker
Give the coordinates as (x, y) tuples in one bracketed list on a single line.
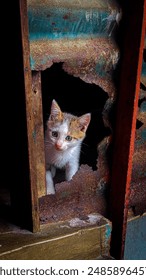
[(85, 144), (82, 152)]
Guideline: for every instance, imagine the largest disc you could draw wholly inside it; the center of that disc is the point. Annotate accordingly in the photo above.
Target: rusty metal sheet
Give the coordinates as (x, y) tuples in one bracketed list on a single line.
[(76, 198), (137, 202), (76, 54), (62, 19), (78, 33)]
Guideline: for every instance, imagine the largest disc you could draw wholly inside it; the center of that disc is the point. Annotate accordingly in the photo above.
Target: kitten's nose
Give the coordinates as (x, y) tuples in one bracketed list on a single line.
[(58, 146)]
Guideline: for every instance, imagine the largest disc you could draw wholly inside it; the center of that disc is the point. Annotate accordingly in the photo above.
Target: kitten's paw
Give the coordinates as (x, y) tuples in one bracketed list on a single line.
[(49, 183), (68, 178), (70, 172), (50, 190)]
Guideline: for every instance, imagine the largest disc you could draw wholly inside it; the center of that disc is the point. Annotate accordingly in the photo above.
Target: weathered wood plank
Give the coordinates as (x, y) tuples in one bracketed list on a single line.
[(39, 133), (126, 121), (135, 245), (74, 239), (29, 115)]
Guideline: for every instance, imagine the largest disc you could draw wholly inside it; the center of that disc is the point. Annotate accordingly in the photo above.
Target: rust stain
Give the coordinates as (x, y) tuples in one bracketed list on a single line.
[(66, 16), (138, 181), (103, 163), (76, 198), (76, 56)]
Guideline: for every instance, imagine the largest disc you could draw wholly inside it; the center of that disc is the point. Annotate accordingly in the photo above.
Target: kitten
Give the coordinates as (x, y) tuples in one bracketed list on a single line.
[(63, 138)]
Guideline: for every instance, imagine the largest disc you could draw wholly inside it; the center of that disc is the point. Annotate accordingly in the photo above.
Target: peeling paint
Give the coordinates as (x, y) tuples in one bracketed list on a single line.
[(32, 62), (57, 30), (143, 134), (143, 107), (56, 23), (143, 68), (108, 232)]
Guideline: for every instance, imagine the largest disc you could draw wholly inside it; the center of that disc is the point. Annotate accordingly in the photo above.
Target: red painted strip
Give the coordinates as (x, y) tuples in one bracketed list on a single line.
[(134, 28)]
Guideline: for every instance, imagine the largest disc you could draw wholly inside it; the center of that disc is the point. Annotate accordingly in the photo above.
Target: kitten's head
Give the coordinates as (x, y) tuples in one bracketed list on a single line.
[(66, 130)]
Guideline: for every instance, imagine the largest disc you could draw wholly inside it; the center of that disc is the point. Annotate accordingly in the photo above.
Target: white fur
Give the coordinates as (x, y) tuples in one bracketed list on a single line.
[(59, 152), (49, 182), (66, 158)]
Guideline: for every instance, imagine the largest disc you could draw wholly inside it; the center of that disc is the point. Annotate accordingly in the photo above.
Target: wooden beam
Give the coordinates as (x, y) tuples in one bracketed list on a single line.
[(39, 133), (135, 12), (29, 115)]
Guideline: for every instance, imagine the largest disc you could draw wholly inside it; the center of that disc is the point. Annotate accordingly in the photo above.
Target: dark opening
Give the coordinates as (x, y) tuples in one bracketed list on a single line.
[(139, 124), (142, 86), (77, 97)]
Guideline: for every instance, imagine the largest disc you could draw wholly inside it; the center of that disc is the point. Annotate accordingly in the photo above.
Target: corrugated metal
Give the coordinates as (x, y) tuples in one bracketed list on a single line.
[(78, 33)]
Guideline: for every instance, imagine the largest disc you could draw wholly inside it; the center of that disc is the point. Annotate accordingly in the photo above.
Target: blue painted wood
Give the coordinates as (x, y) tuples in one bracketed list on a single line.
[(62, 22), (135, 245)]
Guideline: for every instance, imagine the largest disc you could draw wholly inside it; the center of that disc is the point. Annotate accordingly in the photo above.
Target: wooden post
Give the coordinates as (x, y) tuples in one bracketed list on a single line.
[(39, 133), (30, 116), (126, 122)]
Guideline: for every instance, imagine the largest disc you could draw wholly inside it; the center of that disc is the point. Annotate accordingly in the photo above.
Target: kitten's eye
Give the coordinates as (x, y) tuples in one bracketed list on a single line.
[(55, 134), (68, 138)]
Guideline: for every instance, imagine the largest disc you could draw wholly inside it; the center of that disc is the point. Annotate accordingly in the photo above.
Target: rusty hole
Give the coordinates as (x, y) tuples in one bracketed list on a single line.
[(142, 86), (66, 16), (139, 124), (77, 97)]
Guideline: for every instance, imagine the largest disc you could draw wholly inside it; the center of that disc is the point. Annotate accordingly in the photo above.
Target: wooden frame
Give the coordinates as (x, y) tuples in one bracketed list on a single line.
[(30, 114), (125, 119)]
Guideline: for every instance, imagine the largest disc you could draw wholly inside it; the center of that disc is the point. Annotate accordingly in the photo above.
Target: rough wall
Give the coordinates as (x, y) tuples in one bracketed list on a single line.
[(79, 34)]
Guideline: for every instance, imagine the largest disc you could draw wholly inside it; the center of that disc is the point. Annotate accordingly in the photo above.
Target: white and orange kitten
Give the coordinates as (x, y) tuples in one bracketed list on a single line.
[(63, 138)]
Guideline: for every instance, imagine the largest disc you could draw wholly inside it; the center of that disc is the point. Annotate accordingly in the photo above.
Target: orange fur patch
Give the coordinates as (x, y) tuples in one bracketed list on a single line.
[(75, 130), (77, 125), (59, 118)]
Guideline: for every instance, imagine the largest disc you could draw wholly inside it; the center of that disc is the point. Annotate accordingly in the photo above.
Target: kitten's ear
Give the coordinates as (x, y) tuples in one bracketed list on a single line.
[(84, 121), (56, 113)]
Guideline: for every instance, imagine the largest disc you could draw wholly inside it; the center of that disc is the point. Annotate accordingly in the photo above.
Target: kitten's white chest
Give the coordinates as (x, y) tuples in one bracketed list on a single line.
[(61, 158)]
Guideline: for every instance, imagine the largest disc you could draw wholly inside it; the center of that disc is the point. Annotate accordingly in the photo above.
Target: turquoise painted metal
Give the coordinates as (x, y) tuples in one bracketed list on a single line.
[(62, 22), (78, 33), (144, 68), (135, 245), (143, 72)]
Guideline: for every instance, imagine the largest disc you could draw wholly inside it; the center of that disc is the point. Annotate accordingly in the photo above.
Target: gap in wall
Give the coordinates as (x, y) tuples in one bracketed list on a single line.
[(77, 97), (80, 196)]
